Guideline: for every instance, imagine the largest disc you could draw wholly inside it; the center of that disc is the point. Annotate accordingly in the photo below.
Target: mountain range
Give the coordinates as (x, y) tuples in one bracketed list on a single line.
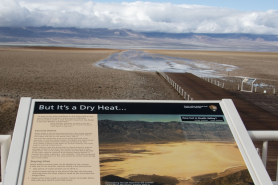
[(125, 38), (140, 131)]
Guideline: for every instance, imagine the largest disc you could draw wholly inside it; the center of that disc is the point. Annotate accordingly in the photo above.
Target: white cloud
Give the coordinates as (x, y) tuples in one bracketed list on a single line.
[(138, 16)]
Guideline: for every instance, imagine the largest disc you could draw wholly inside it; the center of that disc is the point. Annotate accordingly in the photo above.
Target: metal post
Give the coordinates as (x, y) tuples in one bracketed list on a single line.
[(184, 95), (223, 85), (265, 136), (264, 155), (5, 143), (258, 151), (188, 97)]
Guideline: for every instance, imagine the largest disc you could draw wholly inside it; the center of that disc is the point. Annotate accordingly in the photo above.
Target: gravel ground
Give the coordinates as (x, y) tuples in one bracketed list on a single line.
[(69, 73), (56, 73)]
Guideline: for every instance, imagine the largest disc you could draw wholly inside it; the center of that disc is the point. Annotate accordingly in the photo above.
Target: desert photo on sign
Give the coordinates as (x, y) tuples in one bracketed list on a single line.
[(162, 149)]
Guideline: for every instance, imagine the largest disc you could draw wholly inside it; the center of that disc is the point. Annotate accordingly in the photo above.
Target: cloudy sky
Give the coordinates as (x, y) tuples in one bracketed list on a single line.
[(198, 16)]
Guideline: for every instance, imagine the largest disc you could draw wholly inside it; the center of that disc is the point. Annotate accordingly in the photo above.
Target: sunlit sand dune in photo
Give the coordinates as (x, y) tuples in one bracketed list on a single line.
[(184, 161)]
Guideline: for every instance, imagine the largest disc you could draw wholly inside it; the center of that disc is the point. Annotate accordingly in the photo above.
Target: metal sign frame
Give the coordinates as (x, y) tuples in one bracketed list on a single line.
[(18, 151), (248, 81)]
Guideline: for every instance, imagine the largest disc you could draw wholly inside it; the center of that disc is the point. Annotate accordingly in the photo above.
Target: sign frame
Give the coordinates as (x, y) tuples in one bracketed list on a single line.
[(19, 146), (248, 81)]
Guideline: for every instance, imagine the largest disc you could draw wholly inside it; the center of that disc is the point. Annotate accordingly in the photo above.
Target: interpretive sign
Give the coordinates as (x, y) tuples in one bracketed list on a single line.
[(135, 142)]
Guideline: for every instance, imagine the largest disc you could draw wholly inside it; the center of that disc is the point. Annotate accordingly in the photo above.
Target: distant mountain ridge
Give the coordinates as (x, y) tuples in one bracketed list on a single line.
[(126, 37), (141, 131), (41, 32)]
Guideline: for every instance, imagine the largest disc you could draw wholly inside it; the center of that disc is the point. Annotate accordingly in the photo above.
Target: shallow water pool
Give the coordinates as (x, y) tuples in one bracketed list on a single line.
[(137, 60)]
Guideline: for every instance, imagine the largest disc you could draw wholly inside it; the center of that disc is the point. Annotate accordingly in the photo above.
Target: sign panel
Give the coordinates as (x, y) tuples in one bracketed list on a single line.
[(249, 80), (112, 143)]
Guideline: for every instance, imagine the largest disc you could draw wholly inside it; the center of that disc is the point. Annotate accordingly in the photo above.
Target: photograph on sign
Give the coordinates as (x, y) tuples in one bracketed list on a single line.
[(165, 150), (130, 143)]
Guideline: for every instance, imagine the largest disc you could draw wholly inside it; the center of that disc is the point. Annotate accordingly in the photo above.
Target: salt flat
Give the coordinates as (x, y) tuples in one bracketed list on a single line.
[(60, 73)]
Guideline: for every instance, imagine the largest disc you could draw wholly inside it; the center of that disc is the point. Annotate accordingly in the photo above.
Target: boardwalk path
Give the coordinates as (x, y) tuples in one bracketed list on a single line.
[(253, 117)]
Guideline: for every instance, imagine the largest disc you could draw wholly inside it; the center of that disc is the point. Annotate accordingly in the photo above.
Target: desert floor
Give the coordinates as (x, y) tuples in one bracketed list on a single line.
[(69, 73), (59, 73)]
